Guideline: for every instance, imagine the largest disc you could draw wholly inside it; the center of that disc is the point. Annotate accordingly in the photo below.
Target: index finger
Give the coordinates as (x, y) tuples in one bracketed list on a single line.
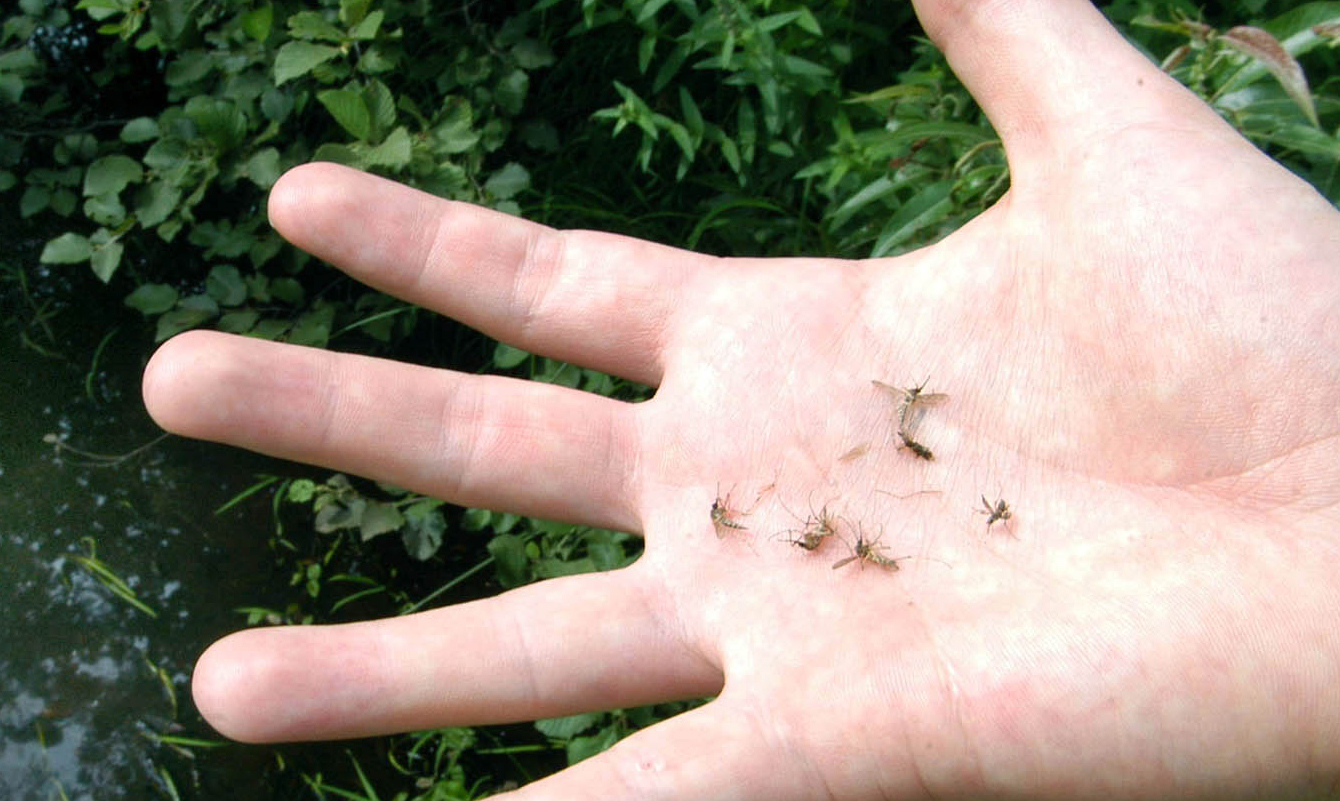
[(600, 300)]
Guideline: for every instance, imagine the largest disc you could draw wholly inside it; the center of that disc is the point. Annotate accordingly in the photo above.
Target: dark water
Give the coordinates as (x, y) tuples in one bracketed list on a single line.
[(84, 676)]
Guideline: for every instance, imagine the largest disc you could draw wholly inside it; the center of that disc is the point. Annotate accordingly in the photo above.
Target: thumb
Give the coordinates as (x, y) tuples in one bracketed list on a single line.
[(1053, 76)]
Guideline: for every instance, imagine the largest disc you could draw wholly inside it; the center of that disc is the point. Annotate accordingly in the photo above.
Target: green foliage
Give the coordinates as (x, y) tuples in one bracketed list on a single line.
[(338, 506)]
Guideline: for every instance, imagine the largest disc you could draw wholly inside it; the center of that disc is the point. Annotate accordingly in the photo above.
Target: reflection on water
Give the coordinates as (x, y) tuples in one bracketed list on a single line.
[(84, 676)]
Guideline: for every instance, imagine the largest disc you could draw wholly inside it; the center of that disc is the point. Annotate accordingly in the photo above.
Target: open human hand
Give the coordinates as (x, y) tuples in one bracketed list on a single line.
[(1139, 344)]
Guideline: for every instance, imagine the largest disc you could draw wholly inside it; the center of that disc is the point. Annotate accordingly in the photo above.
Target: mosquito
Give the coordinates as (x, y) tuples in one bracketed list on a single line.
[(724, 515), (916, 447), (910, 399), (817, 529), (868, 551), (1001, 511)]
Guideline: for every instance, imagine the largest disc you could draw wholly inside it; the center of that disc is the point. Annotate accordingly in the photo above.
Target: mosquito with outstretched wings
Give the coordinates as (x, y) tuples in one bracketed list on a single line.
[(912, 403)]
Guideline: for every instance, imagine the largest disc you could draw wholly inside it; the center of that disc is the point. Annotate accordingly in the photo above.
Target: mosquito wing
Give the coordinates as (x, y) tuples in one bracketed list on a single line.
[(843, 561)]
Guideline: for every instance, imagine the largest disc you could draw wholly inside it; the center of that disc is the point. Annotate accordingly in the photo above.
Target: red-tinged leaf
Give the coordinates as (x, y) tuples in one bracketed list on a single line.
[(1329, 30), (1175, 58), (1267, 50)]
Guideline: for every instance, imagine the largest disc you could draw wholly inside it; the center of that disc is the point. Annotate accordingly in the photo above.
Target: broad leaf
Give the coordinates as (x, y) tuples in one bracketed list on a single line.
[(110, 174), (68, 248), (507, 181), (151, 299), (424, 528), (35, 199), (395, 152), (155, 202), (296, 59), (225, 285), (379, 518), (140, 129), (106, 259), (568, 727), (349, 110)]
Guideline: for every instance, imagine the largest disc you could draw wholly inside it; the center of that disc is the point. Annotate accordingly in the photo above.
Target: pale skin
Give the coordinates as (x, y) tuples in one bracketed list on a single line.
[(1139, 342)]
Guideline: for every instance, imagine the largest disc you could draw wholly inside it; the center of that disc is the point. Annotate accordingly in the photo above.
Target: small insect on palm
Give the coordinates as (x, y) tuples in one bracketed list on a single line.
[(915, 447), (817, 528), (1001, 511), (723, 516), (912, 403), (868, 551)]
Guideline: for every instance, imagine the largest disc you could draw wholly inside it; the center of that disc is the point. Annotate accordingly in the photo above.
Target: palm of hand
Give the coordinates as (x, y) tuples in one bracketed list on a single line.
[(1132, 362), (1143, 418)]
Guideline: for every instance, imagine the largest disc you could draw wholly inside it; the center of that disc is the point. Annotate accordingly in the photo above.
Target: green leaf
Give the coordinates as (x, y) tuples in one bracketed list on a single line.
[(287, 290), (808, 23), (381, 105), (189, 67), (875, 190), (68, 248), (11, 88), (238, 322), (166, 155), (190, 312), (511, 91), (302, 490), (454, 133), (336, 515), (424, 528), (296, 59), (62, 202), (349, 110), (313, 328), (540, 135), (110, 174), (276, 104), (35, 199), (151, 299), (395, 152), (257, 22), (375, 60), (505, 183), (217, 119), (353, 11), (105, 210), (580, 748), (263, 167), (531, 54), (645, 50), (475, 519), (271, 329), (505, 357), (379, 518), (566, 728), (106, 259), (7, 180), (155, 201), (925, 208), (693, 118), (509, 555), (140, 129), (313, 25), (367, 29), (225, 285)]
